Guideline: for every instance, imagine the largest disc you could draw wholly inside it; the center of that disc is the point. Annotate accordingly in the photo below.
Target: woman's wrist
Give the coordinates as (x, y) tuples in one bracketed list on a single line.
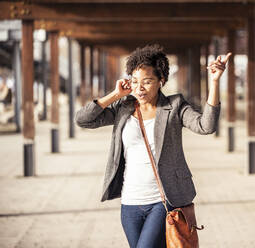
[(213, 96), (116, 95), (215, 83), (108, 99)]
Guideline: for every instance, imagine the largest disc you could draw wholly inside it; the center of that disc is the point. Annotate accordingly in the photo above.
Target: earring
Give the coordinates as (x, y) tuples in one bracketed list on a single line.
[(161, 84)]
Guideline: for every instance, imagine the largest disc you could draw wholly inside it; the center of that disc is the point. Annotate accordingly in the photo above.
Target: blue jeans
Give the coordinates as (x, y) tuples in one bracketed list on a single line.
[(144, 225)]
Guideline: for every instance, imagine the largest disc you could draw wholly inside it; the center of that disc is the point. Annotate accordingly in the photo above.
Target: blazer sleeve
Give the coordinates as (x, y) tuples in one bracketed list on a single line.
[(201, 123), (92, 115)]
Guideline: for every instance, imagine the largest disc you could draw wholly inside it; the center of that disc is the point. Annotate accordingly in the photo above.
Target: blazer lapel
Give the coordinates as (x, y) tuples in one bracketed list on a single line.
[(162, 113), (127, 109), (124, 113)]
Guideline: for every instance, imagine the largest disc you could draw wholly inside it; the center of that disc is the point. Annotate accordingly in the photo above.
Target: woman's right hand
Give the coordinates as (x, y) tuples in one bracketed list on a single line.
[(123, 87)]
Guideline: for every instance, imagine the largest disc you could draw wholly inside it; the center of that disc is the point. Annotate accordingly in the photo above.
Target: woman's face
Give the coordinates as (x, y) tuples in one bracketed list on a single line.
[(145, 84)]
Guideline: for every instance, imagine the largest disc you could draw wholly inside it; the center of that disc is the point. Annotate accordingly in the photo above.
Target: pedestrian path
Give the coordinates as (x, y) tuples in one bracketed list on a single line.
[(61, 207)]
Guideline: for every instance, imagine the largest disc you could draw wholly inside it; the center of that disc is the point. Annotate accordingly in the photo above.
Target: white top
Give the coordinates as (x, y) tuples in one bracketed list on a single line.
[(139, 186)]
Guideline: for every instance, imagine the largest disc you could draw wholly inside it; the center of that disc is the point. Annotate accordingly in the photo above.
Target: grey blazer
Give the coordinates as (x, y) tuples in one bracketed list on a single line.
[(172, 114)]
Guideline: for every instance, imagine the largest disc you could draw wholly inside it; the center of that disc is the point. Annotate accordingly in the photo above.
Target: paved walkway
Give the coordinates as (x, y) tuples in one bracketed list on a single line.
[(61, 207)]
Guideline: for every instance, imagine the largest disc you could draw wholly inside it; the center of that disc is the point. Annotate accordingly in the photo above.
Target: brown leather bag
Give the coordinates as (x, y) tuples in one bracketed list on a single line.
[(181, 226)]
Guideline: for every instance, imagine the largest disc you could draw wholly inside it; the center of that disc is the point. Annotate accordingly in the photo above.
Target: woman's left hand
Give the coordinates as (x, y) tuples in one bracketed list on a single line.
[(217, 67)]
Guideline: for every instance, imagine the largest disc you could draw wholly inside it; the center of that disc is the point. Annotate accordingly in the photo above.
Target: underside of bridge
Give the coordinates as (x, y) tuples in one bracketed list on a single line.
[(109, 29)]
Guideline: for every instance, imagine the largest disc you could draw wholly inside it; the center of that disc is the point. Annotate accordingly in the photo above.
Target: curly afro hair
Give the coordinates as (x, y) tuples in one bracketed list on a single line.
[(150, 55)]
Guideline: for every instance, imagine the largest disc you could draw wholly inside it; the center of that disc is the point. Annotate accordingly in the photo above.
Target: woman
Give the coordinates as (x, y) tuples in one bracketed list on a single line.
[(129, 173)]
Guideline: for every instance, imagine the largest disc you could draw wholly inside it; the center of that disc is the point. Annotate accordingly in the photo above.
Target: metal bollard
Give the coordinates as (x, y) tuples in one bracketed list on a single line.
[(231, 141), (251, 150), (54, 140), (29, 160)]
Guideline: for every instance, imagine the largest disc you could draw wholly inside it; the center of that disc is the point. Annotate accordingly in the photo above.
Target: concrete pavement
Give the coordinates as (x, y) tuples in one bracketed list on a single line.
[(61, 207)]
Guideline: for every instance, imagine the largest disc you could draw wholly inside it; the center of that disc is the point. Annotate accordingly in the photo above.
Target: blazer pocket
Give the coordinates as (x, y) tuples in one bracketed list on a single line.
[(185, 191)]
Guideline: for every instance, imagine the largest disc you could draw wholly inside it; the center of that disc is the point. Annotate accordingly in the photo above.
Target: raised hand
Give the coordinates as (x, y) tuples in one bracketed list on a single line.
[(123, 87), (217, 67)]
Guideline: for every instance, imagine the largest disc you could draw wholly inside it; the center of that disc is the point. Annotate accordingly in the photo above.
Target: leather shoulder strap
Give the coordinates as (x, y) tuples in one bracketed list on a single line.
[(163, 198)]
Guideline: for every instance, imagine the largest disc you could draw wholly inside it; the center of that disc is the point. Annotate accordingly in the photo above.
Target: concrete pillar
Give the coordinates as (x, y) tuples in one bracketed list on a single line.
[(16, 65), (231, 110), (194, 77), (251, 94), (216, 53), (109, 73), (96, 73), (183, 73), (204, 73), (117, 61), (100, 73), (27, 93), (83, 74), (112, 75), (54, 78), (44, 80), (104, 72), (91, 70), (71, 90)]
